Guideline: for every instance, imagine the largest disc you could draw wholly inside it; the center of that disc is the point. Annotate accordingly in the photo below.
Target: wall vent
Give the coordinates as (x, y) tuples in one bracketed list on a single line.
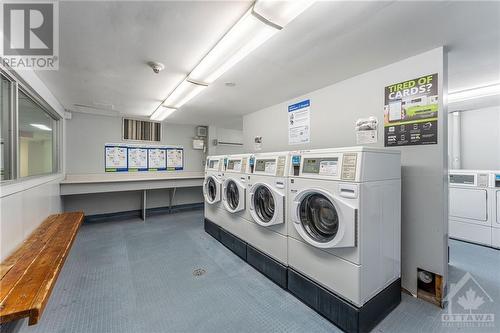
[(141, 130)]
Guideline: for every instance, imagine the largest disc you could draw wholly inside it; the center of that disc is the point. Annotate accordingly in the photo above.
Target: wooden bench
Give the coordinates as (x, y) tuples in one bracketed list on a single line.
[(29, 274)]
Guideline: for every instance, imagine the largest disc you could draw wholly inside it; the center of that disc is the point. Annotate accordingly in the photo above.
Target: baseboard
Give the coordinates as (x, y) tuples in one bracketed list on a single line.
[(340, 312), (271, 268), (233, 243), (137, 213), (212, 229)]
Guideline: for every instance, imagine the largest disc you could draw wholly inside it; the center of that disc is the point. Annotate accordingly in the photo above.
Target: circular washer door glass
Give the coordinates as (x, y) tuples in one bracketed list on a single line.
[(263, 202), (211, 189), (232, 194), (319, 217)]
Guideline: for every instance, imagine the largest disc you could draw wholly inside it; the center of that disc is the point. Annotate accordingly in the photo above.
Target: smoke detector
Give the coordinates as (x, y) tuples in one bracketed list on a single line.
[(157, 67)]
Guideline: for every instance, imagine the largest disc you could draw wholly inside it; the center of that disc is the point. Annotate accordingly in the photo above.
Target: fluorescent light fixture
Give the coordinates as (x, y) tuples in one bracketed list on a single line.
[(183, 93), (473, 93), (281, 12), (162, 113), (244, 37), (259, 23), (42, 127)]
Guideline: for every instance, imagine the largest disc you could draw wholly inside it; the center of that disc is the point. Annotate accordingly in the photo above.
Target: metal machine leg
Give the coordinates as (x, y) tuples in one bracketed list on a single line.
[(143, 206), (171, 199)]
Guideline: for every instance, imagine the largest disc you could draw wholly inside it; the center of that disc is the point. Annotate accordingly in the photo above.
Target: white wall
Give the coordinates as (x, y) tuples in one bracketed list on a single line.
[(25, 203), (224, 135), (334, 110), (85, 139), (480, 139), (22, 211), (87, 134)]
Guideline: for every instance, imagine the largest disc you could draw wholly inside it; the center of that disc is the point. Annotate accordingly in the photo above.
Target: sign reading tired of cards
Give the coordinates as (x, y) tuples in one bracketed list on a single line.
[(411, 112), (299, 123)]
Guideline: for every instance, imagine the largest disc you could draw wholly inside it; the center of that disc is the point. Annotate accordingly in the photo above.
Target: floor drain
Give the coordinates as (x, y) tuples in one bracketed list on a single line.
[(199, 272)]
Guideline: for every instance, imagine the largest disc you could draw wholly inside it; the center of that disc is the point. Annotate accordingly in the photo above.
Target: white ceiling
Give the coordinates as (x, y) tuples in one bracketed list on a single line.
[(104, 47)]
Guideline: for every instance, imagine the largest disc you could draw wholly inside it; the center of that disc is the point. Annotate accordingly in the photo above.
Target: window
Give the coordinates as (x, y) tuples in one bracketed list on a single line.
[(29, 131), (5, 128), (37, 138)]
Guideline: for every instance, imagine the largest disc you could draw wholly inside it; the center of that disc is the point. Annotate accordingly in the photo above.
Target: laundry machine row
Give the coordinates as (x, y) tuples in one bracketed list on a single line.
[(474, 201), (323, 224)]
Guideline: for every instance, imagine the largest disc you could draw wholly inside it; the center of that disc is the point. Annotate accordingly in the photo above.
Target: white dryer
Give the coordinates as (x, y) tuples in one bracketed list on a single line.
[(470, 209), (212, 187), (234, 194), (495, 204), (344, 222), (267, 185)]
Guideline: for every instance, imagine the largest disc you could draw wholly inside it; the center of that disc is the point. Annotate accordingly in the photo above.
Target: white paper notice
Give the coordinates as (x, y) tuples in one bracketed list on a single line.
[(137, 159), (174, 159), (364, 137), (328, 168), (270, 167), (299, 123), (237, 165)]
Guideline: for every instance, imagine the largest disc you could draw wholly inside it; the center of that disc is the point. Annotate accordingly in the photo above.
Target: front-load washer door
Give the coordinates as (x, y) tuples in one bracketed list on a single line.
[(267, 205), (233, 193), (211, 189), (324, 220)]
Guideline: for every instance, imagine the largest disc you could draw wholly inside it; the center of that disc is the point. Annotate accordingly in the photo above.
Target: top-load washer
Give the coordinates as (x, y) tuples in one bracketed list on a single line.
[(267, 230), (495, 204), (344, 221), (212, 187), (470, 209), (234, 194)]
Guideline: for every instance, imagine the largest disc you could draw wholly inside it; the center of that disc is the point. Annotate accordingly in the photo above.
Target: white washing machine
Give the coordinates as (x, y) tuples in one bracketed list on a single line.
[(234, 195), (470, 209), (344, 221), (495, 204), (212, 187), (267, 231)]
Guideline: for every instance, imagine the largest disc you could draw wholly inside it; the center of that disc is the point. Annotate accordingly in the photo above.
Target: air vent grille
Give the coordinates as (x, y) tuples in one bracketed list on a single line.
[(141, 130)]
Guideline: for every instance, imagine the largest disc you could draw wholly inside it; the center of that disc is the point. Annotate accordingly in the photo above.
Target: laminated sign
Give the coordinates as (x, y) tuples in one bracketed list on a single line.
[(299, 122), (411, 112)]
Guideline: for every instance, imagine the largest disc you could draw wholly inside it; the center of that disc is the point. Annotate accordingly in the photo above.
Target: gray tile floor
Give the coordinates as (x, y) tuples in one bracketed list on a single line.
[(127, 276)]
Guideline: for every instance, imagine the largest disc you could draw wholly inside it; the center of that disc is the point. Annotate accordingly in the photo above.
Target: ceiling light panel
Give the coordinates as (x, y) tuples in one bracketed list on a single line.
[(244, 37), (162, 113), (183, 93), (473, 93), (281, 12)]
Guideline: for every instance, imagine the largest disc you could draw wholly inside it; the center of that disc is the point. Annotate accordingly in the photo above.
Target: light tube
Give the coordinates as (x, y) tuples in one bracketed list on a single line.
[(473, 93), (281, 12), (42, 127), (183, 93), (259, 23), (162, 113), (244, 37)]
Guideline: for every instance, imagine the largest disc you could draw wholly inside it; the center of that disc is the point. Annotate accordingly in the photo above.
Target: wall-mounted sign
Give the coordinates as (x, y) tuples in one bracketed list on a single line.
[(411, 112), (157, 159), (137, 159), (115, 158), (299, 130), (133, 158), (366, 130)]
